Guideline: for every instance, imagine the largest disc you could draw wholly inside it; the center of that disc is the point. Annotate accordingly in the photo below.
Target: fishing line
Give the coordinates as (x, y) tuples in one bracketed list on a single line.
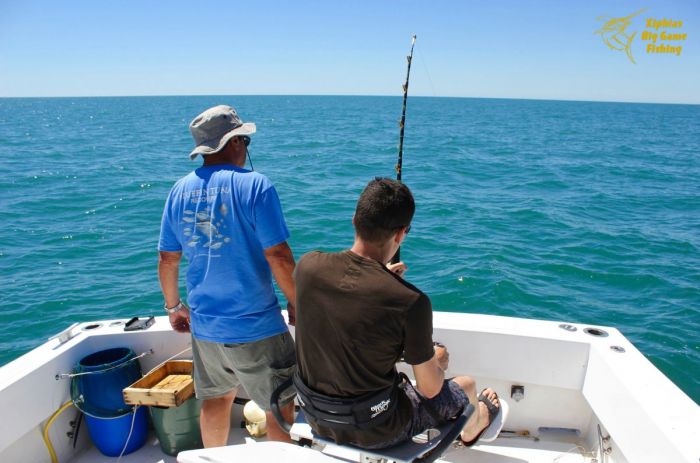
[(425, 67)]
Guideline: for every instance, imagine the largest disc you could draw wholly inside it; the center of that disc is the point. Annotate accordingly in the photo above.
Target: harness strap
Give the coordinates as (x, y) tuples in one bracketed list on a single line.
[(363, 412)]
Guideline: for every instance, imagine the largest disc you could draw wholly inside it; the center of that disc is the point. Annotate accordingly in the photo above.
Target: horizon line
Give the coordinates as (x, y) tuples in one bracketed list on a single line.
[(347, 95)]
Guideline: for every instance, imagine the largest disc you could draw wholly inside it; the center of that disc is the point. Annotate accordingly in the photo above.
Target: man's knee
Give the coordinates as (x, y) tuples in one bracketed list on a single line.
[(287, 412), (467, 384), (221, 401)]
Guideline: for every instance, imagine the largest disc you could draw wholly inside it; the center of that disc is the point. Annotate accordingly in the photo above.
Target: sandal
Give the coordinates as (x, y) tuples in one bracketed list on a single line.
[(497, 418)]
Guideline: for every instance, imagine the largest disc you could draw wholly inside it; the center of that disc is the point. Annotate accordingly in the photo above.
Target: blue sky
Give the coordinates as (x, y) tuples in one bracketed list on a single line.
[(503, 49)]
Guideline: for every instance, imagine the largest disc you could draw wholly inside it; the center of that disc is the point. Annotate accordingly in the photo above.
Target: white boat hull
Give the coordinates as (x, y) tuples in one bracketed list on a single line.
[(575, 384)]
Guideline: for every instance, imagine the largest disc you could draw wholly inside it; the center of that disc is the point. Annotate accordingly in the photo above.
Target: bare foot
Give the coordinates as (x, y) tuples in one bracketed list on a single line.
[(470, 438)]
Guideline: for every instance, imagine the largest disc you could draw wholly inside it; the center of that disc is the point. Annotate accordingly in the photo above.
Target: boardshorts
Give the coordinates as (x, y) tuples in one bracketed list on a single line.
[(259, 367), (449, 403)]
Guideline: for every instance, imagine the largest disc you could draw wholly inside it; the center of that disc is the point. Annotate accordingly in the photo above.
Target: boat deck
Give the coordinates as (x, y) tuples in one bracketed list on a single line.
[(583, 393), (502, 450)]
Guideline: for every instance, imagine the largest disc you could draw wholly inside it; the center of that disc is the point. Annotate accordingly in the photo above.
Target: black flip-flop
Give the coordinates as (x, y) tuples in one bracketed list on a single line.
[(493, 413)]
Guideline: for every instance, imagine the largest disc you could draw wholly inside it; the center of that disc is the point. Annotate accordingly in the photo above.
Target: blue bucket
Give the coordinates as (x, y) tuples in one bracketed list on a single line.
[(99, 393), (109, 434)]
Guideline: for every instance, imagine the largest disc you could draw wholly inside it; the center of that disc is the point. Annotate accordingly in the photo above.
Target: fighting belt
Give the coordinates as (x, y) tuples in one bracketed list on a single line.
[(347, 413)]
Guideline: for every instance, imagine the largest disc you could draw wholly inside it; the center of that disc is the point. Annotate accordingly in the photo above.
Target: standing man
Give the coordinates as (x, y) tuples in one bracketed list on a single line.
[(228, 222), (356, 318)]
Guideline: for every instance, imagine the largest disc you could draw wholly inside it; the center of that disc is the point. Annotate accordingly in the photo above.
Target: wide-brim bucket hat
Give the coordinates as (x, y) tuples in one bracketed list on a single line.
[(213, 128)]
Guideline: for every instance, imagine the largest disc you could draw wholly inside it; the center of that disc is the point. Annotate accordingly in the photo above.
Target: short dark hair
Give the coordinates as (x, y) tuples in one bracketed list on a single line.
[(385, 206)]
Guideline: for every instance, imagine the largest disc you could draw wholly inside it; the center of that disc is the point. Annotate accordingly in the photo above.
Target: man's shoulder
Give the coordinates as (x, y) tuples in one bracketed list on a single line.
[(186, 179), (312, 258), (252, 181), (401, 289), (411, 287), (410, 294), (181, 184), (321, 263)]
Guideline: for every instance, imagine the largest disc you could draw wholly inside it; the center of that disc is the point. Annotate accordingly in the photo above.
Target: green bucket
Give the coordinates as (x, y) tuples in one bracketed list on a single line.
[(177, 428)]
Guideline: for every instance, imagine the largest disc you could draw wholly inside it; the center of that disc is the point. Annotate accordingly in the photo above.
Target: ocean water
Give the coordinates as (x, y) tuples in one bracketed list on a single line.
[(575, 211)]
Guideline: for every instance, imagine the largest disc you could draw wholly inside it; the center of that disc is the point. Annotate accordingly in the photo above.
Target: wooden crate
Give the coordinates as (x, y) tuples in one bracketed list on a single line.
[(169, 385)]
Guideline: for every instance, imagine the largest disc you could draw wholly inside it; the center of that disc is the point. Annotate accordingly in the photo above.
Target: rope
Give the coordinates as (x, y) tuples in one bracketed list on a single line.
[(104, 415), (169, 359), (177, 355), (82, 373), (78, 399), (250, 160), (128, 438), (582, 451)]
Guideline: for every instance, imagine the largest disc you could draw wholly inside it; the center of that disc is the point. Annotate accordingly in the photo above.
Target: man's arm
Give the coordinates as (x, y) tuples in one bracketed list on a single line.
[(281, 261), (431, 374), (429, 377), (168, 271)]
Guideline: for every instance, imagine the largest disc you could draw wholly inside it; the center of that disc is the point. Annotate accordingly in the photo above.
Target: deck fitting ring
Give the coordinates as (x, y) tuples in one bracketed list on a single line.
[(597, 332)]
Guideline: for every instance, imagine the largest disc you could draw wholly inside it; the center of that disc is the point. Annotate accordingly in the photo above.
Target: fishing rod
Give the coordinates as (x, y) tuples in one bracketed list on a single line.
[(402, 124)]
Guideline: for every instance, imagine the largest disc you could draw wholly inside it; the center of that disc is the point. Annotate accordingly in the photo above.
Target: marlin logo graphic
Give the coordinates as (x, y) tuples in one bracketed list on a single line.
[(615, 35)]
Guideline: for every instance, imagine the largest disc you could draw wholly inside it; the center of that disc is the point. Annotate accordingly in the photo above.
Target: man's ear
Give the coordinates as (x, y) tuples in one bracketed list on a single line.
[(353, 220)]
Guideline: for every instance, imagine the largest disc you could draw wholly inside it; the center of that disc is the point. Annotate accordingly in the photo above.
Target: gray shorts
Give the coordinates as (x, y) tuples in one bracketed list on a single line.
[(259, 366)]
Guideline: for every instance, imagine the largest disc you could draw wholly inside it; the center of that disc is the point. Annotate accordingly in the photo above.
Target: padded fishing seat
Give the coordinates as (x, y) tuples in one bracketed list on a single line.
[(425, 448)]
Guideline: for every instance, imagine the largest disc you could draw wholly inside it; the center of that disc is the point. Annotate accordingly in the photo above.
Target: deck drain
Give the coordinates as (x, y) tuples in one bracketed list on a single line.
[(567, 327), (596, 332), (618, 349), (117, 323), (92, 326)]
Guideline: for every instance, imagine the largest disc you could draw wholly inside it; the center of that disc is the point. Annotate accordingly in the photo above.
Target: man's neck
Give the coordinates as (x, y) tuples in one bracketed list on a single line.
[(228, 155), (380, 253), (215, 161)]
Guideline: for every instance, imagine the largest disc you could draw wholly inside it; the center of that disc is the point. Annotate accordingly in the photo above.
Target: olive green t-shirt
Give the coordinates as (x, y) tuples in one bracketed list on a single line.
[(355, 319)]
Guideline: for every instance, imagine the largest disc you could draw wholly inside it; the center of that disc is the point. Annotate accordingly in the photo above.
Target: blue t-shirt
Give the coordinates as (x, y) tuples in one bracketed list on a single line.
[(222, 218)]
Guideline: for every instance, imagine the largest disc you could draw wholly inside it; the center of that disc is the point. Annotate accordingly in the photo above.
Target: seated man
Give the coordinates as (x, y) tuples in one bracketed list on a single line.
[(356, 319)]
